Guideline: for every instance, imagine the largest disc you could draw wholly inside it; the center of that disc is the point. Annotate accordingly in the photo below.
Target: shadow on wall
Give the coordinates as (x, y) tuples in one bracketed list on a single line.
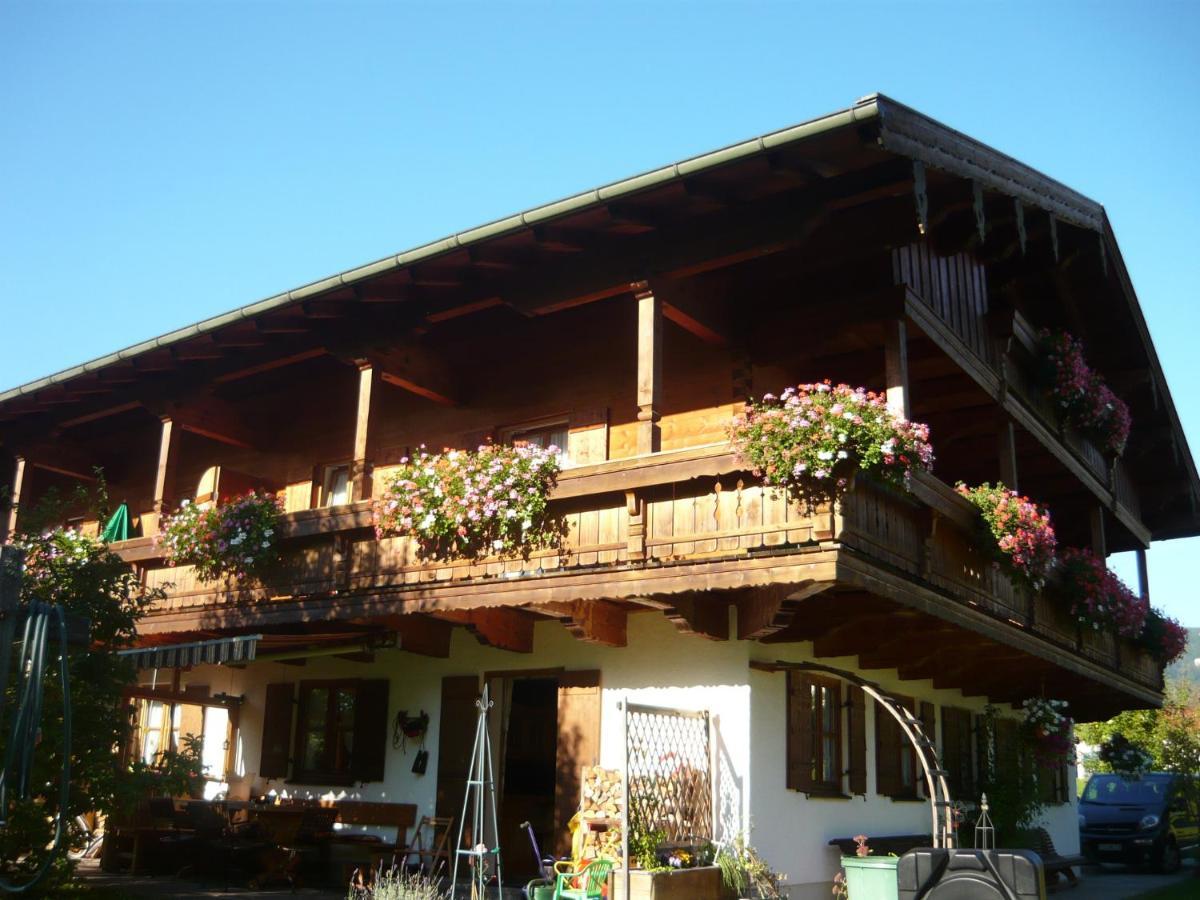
[(727, 816)]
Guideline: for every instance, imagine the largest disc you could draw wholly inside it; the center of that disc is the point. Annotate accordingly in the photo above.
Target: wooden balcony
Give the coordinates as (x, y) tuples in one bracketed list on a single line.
[(658, 529)]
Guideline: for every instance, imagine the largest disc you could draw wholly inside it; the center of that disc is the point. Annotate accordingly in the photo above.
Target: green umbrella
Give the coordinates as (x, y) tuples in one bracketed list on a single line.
[(117, 527)]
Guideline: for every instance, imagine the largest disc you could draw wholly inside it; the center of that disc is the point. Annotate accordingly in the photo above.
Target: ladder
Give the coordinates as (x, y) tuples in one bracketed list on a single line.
[(479, 795)]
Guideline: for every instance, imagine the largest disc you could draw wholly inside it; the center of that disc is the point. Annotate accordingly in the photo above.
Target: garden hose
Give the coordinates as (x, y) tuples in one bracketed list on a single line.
[(23, 738)]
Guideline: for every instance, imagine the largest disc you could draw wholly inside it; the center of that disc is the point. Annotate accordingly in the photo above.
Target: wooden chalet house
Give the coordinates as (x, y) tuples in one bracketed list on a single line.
[(627, 325)]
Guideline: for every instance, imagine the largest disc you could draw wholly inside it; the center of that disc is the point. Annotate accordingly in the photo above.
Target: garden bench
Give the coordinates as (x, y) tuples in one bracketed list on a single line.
[(1055, 864)]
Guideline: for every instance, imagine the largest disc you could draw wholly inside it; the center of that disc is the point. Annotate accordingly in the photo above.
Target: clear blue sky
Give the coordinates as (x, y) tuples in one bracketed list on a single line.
[(162, 162)]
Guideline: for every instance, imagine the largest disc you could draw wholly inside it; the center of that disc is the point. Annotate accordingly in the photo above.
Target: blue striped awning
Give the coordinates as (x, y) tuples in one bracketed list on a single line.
[(239, 649)]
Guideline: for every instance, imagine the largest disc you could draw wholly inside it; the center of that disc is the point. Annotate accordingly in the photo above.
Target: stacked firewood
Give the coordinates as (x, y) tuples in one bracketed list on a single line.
[(600, 812)]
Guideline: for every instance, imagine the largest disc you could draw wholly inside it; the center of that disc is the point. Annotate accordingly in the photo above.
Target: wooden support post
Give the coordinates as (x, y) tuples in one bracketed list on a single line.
[(895, 349), (168, 445), (649, 368), (1143, 574), (360, 481), (1099, 542), (1008, 454), (10, 527)]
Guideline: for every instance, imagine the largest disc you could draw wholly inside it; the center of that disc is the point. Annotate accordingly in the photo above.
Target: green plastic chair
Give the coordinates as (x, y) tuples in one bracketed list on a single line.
[(590, 878)]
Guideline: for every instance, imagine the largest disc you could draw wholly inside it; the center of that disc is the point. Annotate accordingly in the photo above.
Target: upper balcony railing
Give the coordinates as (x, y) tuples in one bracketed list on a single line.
[(954, 290), (631, 518)]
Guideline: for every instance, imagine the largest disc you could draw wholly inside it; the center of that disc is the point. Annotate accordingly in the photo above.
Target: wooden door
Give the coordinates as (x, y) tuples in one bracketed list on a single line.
[(578, 746), (456, 737)]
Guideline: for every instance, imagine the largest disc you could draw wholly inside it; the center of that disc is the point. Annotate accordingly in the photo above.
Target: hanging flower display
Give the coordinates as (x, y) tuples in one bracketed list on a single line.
[(233, 540), (1124, 757), (1049, 729), (1087, 403), (462, 504), (1022, 535), (1099, 599), (811, 437), (1164, 637)]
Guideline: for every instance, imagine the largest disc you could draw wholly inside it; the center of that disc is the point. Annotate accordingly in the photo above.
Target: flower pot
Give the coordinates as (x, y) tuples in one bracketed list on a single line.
[(871, 877), (700, 883)]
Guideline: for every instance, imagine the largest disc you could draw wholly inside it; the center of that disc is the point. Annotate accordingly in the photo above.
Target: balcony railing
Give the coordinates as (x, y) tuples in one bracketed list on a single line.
[(670, 509)]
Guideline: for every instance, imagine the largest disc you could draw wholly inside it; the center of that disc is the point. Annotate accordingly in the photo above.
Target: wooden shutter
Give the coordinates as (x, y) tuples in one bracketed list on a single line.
[(578, 746), (857, 723), (799, 733), (887, 752), (456, 736), (956, 752), (370, 729), (276, 731)]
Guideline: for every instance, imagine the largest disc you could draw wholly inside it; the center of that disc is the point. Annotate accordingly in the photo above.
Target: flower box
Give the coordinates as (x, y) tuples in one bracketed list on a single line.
[(871, 877), (700, 883)]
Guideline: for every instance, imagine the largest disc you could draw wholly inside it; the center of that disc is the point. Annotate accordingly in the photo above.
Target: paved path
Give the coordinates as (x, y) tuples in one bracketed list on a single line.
[(1122, 883)]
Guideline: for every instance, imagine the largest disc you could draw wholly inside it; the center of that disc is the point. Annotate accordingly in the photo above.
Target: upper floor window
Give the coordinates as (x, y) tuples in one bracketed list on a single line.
[(335, 485), (542, 434)]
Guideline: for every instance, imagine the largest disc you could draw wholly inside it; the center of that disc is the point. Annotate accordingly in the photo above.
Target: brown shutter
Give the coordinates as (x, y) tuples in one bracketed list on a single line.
[(456, 736), (887, 752), (857, 720), (956, 752), (276, 731), (799, 733), (578, 745), (370, 729)]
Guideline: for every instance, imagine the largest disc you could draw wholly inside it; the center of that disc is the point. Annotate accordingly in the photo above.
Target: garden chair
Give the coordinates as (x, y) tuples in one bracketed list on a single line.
[(583, 881), (430, 846)]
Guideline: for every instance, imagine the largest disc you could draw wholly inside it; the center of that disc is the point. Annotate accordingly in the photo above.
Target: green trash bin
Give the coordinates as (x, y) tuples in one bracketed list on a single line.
[(871, 877)]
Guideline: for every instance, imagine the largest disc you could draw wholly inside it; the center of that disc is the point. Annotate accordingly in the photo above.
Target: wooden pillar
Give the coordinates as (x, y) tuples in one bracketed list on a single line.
[(1008, 455), (895, 355), (10, 527), (168, 446), (1143, 574), (360, 482), (649, 368), (1099, 542)]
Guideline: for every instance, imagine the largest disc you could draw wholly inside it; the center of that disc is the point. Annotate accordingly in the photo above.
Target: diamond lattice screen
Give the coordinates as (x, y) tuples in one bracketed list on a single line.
[(670, 778)]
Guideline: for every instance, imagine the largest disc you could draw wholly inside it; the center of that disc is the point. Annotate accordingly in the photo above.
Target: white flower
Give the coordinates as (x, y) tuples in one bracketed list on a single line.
[(825, 455)]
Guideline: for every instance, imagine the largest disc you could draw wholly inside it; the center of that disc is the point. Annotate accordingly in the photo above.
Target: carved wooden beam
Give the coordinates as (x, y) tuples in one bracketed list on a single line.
[(761, 612), (62, 458), (598, 622), (499, 627), (705, 615), (649, 368)]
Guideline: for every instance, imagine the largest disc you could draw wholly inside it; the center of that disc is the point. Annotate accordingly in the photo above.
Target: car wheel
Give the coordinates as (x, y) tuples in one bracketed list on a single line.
[(1169, 858)]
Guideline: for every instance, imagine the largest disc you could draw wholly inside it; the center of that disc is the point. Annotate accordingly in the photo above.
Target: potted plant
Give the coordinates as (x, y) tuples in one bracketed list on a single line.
[(1098, 598), (1087, 403), (1018, 530), (867, 877), (233, 540), (462, 504), (669, 871), (744, 874), (812, 437)]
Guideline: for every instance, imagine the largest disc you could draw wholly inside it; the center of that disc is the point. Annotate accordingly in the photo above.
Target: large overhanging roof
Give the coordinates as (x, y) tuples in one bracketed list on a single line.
[(848, 143)]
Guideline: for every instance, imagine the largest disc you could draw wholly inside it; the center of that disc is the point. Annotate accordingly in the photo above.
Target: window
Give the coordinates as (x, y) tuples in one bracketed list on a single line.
[(895, 763), (957, 757), (337, 736), (335, 485), (325, 734), (814, 734), (541, 434)]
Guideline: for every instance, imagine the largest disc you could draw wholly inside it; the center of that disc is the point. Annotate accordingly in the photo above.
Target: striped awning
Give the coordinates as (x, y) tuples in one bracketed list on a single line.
[(239, 649)]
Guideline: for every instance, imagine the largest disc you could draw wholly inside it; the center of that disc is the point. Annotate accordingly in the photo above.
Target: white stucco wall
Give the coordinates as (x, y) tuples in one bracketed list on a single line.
[(659, 667)]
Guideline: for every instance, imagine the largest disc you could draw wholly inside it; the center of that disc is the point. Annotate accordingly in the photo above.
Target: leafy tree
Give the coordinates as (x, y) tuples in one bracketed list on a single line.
[(82, 576), (1171, 735)]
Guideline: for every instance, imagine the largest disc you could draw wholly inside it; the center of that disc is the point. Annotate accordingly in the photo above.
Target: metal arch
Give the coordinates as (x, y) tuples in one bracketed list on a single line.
[(940, 804)]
